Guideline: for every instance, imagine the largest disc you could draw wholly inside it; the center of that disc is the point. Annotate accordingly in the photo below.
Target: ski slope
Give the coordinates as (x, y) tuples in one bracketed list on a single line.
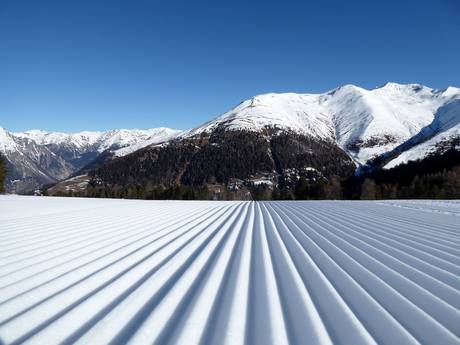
[(101, 271)]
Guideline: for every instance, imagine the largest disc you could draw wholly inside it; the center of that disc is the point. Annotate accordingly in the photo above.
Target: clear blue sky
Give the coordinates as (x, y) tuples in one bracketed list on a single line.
[(72, 65)]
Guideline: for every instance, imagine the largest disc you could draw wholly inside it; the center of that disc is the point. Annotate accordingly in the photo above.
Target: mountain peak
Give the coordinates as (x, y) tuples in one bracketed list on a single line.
[(391, 85), (451, 91), (414, 87), (347, 88), (6, 141)]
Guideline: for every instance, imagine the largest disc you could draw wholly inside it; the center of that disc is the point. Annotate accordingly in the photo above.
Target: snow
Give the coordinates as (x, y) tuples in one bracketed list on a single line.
[(396, 111), (450, 207), (123, 141), (151, 137), (259, 182), (6, 142), (297, 112), (444, 128), (80, 139), (98, 271), (431, 146), (451, 92), (347, 115)]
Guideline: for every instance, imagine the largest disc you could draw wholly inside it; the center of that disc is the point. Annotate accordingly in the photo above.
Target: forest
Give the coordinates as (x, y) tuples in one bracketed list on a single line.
[(2, 173), (201, 170)]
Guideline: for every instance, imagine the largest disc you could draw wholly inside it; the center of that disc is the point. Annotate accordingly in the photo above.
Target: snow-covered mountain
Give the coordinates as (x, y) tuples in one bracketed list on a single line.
[(392, 124), (364, 123), (439, 136), (30, 164), (101, 141), (301, 113), (37, 157)]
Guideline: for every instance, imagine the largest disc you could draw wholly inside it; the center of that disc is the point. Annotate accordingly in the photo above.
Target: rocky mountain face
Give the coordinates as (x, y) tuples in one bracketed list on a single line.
[(35, 158)]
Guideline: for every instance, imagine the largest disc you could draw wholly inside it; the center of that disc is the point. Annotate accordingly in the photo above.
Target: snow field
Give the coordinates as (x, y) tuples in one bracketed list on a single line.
[(101, 271)]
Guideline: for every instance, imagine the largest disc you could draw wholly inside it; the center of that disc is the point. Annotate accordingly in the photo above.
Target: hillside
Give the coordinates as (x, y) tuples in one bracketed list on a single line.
[(271, 142), (36, 157), (364, 123), (268, 140)]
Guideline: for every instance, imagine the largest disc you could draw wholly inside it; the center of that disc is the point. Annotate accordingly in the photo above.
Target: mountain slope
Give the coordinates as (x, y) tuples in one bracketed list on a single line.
[(436, 138), (37, 157), (364, 123), (278, 139), (30, 164), (301, 113), (371, 122), (237, 159)]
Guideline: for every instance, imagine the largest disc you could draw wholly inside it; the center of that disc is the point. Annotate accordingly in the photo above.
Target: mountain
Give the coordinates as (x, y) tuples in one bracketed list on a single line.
[(269, 140), (37, 157), (277, 139), (121, 141), (30, 164), (364, 123), (441, 135), (236, 161)]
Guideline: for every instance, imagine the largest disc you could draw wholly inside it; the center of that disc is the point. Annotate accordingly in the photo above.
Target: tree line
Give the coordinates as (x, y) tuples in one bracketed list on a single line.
[(2, 173), (435, 177), (202, 170)]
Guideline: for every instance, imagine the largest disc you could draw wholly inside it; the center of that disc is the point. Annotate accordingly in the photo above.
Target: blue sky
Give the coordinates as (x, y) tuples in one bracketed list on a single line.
[(94, 65)]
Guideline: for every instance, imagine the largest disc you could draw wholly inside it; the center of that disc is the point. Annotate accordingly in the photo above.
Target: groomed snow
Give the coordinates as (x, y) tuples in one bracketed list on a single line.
[(100, 271)]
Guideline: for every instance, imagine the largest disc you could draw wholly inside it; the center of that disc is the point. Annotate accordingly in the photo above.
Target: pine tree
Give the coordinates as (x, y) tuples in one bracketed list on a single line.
[(276, 194), (368, 190), (203, 193), (301, 189), (333, 189), (452, 184)]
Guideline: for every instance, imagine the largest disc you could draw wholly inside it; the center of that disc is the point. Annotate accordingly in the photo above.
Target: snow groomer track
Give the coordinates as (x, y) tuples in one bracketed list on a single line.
[(90, 271)]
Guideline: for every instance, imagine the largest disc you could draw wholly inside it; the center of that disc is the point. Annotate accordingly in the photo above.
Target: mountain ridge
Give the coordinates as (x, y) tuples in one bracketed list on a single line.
[(367, 124), (32, 156)]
